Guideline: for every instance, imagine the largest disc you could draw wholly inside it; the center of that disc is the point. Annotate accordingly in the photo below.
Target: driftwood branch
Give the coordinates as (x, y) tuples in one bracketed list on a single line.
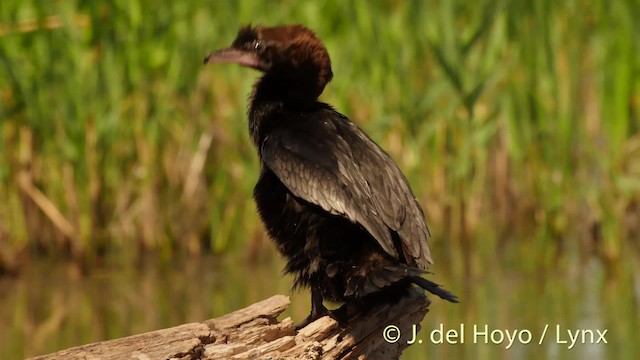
[(255, 333)]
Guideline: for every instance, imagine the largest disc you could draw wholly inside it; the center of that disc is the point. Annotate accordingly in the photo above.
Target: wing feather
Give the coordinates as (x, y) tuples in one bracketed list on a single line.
[(330, 162)]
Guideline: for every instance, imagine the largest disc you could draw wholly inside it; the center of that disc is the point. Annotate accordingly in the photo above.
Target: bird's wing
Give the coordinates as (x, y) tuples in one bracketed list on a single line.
[(396, 204), (326, 160)]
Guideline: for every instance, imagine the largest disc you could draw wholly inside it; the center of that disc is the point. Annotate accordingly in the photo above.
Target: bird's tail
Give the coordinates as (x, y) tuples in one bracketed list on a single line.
[(434, 288)]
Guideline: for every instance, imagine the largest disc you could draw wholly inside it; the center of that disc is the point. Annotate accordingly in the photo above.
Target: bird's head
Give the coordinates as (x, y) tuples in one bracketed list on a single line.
[(292, 54)]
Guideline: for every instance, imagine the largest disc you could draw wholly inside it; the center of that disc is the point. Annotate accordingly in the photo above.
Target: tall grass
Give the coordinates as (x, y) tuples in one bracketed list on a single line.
[(517, 123)]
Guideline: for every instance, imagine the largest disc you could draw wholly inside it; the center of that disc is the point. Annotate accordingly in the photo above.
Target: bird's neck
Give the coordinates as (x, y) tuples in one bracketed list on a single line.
[(274, 95), (292, 89)]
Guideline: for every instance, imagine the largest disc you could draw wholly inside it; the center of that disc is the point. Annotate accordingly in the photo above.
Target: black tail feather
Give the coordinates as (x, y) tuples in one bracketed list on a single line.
[(434, 288)]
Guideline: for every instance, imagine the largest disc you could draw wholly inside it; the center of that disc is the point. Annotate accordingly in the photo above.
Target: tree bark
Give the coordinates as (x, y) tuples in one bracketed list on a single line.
[(255, 333)]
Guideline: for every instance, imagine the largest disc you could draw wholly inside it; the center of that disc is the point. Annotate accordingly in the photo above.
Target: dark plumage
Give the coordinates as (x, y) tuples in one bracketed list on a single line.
[(334, 202)]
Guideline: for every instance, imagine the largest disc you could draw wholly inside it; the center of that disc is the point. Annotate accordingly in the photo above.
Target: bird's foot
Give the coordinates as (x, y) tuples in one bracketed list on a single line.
[(340, 315), (315, 315)]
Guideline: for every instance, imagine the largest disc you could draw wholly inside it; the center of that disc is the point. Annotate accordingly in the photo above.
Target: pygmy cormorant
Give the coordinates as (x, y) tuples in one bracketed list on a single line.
[(336, 205)]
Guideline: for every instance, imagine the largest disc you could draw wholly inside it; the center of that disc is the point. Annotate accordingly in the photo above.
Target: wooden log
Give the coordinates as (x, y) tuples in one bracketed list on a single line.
[(255, 333)]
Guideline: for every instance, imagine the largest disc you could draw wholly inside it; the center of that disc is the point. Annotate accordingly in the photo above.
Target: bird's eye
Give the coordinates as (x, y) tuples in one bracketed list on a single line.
[(257, 46)]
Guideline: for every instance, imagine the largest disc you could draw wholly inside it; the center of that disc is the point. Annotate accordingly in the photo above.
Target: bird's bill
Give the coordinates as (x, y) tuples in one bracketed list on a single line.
[(234, 56)]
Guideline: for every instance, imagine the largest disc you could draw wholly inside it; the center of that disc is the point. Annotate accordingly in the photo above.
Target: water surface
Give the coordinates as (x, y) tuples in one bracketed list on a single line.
[(51, 306)]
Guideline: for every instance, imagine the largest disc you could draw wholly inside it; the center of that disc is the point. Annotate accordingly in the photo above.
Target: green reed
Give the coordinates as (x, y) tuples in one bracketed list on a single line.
[(516, 122)]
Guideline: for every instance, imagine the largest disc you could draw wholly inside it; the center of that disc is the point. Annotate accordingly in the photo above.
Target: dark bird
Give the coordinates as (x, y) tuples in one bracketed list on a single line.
[(336, 205)]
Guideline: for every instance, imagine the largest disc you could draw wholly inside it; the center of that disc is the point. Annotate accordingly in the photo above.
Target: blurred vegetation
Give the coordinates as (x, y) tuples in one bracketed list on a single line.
[(517, 123)]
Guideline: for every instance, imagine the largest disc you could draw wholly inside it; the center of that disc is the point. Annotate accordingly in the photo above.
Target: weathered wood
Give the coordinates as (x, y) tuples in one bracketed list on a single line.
[(255, 333)]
